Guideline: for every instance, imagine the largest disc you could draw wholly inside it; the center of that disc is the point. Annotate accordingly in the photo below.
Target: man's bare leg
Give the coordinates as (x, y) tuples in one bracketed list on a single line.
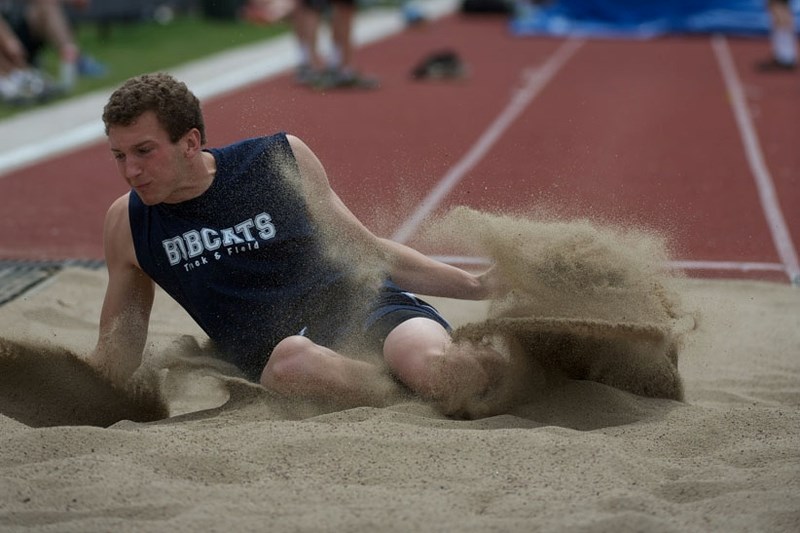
[(464, 379), (48, 19), (300, 368), (783, 39), (341, 33), (306, 23)]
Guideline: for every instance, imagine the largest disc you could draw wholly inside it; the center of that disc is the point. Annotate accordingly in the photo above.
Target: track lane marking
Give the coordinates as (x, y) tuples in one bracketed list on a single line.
[(519, 101), (770, 205), (740, 266)]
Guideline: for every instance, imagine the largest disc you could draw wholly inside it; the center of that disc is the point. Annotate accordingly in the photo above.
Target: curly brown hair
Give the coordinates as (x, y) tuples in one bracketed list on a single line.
[(176, 107)]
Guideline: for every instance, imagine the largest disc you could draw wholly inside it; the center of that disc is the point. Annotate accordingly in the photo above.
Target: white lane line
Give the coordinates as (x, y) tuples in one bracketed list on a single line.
[(521, 99), (739, 266), (755, 157)]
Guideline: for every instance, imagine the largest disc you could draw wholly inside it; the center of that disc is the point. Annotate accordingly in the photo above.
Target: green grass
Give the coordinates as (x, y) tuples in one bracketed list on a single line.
[(136, 48)]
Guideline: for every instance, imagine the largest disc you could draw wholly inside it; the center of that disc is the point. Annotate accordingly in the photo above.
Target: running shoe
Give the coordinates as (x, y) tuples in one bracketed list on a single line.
[(306, 75), (345, 79), (775, 65), (89, 67), (444, 64), (28, 87)]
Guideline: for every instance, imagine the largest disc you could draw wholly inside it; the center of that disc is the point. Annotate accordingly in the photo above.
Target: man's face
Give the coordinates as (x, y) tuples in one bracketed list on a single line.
[(152, 165)]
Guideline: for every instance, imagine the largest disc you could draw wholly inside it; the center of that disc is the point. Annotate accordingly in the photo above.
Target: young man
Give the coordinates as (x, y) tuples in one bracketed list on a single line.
[(252, 241)]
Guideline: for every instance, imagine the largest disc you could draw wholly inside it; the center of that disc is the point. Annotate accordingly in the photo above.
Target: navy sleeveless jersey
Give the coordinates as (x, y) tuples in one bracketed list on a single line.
[(244, 258)]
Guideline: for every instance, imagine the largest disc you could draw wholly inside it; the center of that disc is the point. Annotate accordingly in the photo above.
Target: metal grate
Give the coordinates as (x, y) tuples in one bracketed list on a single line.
[(18, 277)]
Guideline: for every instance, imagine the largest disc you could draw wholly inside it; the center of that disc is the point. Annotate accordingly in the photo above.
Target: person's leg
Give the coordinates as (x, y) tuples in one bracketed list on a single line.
[(305, 23), (9, 87), (782, 37), (13, 52), (48, 20), (341, 33), (23, 83), (341, 71), (463, 379), (300, 368)]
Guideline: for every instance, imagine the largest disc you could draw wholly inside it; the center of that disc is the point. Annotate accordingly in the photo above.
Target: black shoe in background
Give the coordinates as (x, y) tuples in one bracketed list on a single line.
[(774, 65)]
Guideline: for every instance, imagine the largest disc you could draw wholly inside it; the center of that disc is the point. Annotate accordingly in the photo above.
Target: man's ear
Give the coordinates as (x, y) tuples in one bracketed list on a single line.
[(193, 143)]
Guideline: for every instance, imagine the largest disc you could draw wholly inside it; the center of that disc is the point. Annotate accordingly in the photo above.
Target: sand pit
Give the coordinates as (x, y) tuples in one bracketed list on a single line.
[(578, 454)]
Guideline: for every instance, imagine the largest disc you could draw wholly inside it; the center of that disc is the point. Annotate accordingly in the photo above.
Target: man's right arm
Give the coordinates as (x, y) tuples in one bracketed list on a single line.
[(128, 301)]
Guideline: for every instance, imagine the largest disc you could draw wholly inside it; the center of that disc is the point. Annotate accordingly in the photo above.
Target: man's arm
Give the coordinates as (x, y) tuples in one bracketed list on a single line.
[(409, 268), (128, 300)]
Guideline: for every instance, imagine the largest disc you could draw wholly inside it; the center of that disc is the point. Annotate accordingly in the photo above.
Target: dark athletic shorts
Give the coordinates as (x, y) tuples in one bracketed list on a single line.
[(32, 43), (393, 307), (321, 5)]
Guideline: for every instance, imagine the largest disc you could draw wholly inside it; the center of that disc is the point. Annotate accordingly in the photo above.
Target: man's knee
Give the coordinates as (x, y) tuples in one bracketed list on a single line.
[(288, 363)]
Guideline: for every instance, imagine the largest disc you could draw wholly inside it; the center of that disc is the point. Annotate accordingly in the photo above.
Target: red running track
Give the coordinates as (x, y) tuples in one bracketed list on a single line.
[(677, 134)]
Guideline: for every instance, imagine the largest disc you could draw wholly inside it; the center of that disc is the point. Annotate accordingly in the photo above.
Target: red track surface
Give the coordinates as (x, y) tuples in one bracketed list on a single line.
[(638, 131)]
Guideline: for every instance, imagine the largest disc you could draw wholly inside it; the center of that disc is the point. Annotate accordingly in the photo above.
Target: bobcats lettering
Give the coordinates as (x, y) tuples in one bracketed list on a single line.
[(196, 242)]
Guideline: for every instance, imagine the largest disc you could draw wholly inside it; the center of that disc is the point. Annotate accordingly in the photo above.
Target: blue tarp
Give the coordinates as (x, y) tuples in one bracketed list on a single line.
[(644, 18)]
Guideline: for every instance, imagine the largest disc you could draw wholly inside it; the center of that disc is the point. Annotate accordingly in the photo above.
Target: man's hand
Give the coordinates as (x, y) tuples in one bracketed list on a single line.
[(493, 284)]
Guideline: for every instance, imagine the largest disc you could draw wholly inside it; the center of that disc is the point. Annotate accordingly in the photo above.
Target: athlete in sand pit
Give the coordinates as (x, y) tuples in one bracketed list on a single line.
[(234, 234)]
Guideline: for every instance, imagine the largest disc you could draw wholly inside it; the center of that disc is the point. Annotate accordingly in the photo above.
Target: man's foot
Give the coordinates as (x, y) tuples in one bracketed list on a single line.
[(89, 67), (28, 87), (306, 75), (775, 65), (472, 381), (345, 79)]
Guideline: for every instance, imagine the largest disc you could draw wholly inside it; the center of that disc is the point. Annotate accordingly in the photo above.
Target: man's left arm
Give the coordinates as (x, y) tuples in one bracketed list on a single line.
[(408, 267)]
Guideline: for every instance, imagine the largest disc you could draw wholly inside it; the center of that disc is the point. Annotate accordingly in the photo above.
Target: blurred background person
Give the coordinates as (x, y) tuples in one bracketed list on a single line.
[(20, 83), (336, 70), (40, 23), (782, 38)]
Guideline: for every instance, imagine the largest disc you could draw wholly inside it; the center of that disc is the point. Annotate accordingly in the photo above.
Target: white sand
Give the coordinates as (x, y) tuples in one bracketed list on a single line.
[(582, 457)]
